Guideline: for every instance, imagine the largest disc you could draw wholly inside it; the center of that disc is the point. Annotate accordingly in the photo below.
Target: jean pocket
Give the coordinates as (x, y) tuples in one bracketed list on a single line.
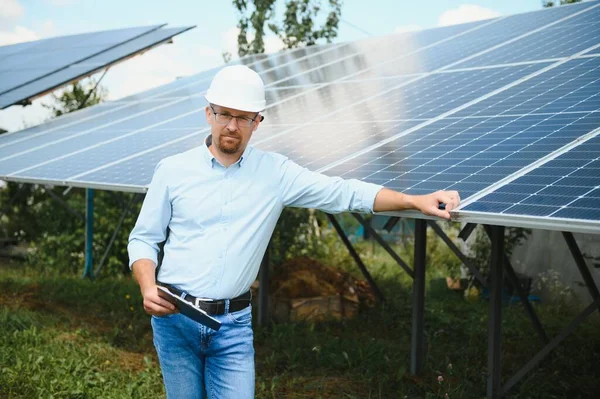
[(243, 316), (167, 316)]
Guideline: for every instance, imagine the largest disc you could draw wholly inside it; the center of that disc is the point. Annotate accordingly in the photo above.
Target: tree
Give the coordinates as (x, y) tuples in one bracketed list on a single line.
[(297, 29), (77, 96), (54, 231), (550, 3)]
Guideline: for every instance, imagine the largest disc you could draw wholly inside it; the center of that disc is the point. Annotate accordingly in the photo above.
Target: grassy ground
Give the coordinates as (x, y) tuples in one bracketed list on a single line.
[(64, 337)]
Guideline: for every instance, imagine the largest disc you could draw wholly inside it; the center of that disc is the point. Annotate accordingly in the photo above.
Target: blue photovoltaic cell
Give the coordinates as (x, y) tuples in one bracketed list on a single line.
[(395, 99), (467, 154), (75, 70), (572, 86), (184, 116), (561, 40), (126, 118), (137, 171), (460, 50), (566, 187), (52, 57)]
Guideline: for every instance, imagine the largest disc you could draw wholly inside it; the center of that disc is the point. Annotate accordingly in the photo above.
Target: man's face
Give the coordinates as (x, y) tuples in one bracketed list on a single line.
[(232, 137)]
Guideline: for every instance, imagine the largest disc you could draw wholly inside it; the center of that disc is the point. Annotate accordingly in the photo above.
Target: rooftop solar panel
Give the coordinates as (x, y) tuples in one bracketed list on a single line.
[(32, 70)]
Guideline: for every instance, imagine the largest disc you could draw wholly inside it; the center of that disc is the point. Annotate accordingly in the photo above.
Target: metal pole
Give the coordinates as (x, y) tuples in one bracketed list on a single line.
[(581, 265), (510, 272), (494, 370), (417, 347), (114, 236), (263, 289), (383, 244), (356, 257), (89, 233)]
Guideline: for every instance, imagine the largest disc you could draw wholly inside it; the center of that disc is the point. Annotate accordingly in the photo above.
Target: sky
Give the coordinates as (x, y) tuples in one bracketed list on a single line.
[(201, 48)]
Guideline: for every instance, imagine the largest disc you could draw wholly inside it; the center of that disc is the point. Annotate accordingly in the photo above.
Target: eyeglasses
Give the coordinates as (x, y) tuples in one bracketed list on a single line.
[(242, 121)]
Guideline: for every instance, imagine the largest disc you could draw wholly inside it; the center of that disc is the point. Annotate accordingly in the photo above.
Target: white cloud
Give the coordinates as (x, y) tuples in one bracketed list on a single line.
[(407, 28), (466, 13), (11, 10), (156, 67), (18, 34)]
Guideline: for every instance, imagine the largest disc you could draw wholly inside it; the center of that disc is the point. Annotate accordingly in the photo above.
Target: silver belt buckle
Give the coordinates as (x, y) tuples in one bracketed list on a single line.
[(198, 300)]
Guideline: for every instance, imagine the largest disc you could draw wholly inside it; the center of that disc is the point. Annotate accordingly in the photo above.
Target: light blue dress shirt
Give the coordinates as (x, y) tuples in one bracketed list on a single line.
[(220, 219)]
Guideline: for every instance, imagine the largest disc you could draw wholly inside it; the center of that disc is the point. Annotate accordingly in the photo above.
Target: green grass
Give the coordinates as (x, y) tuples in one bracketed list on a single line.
[(64, 337)]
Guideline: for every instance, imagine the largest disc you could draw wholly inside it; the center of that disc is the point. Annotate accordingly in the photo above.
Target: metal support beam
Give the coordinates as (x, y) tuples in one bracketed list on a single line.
[(553, 344), (465, 233), (64, 203), (466, 261), (89, 233), (391, 223), (263, 289), (384, 244), (114, 235), (494, 370), (356, 257), (510, 272), (417, 347), (581, 265)]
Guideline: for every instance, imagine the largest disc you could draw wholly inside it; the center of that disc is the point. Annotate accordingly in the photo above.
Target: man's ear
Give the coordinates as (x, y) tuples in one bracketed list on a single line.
[(208, 115)]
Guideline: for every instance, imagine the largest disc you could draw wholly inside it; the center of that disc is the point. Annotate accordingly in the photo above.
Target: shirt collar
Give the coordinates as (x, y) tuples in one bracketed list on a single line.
[(210, 159)]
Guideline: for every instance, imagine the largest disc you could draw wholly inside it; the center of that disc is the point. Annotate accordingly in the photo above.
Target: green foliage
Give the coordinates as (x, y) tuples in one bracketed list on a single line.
[(77, 96), (481, 247), (550, 3), (297, 29), (54, 225), (72, 338)]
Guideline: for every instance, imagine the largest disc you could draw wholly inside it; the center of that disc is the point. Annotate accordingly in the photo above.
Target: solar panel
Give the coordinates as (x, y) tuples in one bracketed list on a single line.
[(30, 70), (465, 107)]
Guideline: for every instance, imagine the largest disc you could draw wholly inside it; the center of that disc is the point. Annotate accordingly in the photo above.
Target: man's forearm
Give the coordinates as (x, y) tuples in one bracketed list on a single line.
[(390, 200), (144, 272)]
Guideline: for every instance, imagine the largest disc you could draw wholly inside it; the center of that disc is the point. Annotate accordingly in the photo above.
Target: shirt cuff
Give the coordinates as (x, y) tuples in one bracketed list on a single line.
[(368, 198), (140, 250)]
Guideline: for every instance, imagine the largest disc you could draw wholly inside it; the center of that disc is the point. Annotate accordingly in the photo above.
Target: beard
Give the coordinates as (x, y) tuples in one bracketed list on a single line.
[(229, 146)]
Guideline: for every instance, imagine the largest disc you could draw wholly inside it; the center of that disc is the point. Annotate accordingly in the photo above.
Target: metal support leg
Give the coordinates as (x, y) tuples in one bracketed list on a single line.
[(64, 203), (356, 257), (89, 233), (114, 236), (552, 344), (457, 252), (383, 244), (581, 265), (526, 304), (465, 233), (494, 370), (417, 347), (263, 290)]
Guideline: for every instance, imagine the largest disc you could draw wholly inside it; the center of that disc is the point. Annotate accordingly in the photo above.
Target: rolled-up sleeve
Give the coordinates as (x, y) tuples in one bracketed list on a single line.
[(151, 226), (303, 188)]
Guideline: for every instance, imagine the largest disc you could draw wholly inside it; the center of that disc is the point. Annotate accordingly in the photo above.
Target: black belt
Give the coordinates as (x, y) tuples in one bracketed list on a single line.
[(213, 307)]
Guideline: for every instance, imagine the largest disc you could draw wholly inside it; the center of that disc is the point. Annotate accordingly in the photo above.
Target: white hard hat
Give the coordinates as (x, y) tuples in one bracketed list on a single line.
[(237, 87)]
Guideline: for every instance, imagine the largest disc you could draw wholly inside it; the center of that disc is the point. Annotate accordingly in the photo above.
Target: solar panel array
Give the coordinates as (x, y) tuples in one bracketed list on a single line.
[(506, 111), (33, 68)]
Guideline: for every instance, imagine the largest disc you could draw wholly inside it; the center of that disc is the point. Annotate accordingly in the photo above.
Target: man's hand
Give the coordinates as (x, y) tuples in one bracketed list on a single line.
[(429, 204), (389, 200), (155, 305)]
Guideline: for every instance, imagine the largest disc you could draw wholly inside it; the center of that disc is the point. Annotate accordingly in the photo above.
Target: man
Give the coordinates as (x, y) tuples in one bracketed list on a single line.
[(219, 203)]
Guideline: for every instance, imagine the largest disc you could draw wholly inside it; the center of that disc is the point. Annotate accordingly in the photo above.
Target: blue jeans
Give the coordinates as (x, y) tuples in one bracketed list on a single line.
[(198, 362)]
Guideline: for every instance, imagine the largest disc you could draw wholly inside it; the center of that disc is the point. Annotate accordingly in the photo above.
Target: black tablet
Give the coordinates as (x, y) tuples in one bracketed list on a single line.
[(189, 310)]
